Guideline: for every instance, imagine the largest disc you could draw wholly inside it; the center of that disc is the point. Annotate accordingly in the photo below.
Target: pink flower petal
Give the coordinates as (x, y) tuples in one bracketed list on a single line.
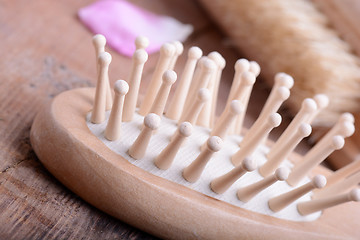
[(121, 22)]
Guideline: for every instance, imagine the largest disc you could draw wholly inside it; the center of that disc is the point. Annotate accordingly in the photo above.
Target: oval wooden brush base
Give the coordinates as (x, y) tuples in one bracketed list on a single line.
[(76, 157)]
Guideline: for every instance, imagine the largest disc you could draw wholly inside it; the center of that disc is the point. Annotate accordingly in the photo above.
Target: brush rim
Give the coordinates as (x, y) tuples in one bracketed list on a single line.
[(110, 183)]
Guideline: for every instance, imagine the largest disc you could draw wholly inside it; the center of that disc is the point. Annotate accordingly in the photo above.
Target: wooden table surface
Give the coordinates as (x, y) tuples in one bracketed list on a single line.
[(46, 50)]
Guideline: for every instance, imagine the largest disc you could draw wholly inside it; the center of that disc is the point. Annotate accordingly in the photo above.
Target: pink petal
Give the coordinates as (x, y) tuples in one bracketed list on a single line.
[(121, 22)]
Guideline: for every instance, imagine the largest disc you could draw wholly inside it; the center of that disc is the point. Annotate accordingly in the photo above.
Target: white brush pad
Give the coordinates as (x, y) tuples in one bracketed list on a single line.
[(218, 165)]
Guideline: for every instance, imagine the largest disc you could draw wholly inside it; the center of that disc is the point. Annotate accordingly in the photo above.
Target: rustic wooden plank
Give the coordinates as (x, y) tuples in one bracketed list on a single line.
[(40, 60), (35, 206), (38, 63)]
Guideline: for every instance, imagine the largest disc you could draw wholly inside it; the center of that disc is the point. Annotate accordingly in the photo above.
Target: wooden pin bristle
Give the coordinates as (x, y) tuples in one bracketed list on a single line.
[(99, 42), (283, 80), (203, 96), (249, 147), (307, 110), (113, 128), (242, 65), (120, 160), (167, 155), (322, 101), (273, 103), (205, 80), (166, 52), (245, 194), (98, 112), (178, 101), (221, 128), (344, 127), (283, 151), (179, 48), (139, 58), (221, 184), (139, 147), (141, 42), (201, 80), (314, 157), (168, 79), (221, 63), (339, 187), (247, 79), (280, 202), (205, 114), (312, 206), (193, 172), (343, 172), (255, 69)]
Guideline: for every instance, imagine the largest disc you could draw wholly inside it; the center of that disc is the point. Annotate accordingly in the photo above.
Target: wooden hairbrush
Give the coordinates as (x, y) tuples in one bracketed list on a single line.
[(184, 174)]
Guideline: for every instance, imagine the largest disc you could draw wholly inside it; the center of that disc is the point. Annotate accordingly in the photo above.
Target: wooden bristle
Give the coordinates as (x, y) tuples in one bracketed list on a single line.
[(138, 60), (277, 97), (193, 112), (255, 69), (166, 157), (312, 206), (201, 79), (179, 48), (245, 194), (283, 151), (314, 157), (280, 202), (177, 104), (221, 184), (206, 80), (168, 79), (242, 65), (141, 42), (259, 134), (273, 103), (99, 42), (138, 148), (205, 114), (343, 172), (193, 172), (322, 101), (307, 110), (234, 110), (113, 128), (339, 187), (221, 63), (223, 126), (192, 109), (166, 52), (98, 112), (246, 83)]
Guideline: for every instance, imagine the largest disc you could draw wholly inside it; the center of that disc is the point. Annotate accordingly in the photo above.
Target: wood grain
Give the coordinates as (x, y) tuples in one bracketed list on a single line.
[(40, 60), (156, 205), (38, 63)]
